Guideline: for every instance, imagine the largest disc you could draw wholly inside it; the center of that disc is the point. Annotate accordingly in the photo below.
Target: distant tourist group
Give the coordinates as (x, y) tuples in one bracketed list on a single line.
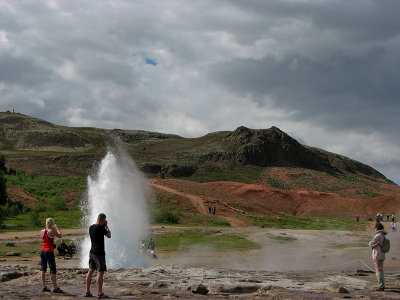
[(389, 218), (97, 254)]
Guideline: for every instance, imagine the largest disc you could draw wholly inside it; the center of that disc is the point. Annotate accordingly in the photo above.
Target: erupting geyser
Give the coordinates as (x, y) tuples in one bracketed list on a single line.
[(118, 190)]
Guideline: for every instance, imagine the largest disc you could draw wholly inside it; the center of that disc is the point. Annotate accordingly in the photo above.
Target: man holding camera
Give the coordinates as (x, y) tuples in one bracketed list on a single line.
[(97, 255)]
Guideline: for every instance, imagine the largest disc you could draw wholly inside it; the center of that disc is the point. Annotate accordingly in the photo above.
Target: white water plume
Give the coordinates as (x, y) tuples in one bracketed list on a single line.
[(119, 191)]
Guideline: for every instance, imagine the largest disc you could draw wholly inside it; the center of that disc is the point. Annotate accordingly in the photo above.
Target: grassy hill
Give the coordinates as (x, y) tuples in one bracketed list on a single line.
[(40, 147), (53, 161)]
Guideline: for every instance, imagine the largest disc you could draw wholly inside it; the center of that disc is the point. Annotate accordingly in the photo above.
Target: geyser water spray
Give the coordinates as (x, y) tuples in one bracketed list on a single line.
[(119, 190)]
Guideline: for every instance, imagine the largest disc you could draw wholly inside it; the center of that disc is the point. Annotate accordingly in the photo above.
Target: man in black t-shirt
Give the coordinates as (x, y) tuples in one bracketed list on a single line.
[(97, 255)]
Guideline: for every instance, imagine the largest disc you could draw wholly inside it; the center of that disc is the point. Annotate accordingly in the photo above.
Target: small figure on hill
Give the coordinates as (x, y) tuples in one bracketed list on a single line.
[(47, 255), (97, 255), (393, 220), (278, 218), (214, 209), (378, 255), (381, 217), (387, 217), (209, 209), (357, 218)]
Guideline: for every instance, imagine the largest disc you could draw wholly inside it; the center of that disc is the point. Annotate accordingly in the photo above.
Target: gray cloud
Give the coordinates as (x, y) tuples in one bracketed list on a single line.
[(324, 71)]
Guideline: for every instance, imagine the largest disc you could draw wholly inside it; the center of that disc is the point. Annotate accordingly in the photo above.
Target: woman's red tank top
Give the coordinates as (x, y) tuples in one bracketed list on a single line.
[(47, 242)]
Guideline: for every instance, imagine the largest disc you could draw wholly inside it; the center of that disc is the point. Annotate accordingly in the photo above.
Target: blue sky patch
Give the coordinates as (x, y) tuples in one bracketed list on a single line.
[(151, 61)]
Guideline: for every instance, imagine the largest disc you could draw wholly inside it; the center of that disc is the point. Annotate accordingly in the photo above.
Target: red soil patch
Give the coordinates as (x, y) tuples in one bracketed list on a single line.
[(267, 200), (19, 194), (233, 198)]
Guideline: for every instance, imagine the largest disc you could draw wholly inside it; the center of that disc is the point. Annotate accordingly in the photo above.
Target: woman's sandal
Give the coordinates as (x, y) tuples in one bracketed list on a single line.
[(46, 289), (101, 296), (58, 291), (88, 294)]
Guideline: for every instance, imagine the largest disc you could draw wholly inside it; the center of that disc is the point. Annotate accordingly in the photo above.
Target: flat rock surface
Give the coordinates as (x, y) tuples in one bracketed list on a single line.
[(175, 281)]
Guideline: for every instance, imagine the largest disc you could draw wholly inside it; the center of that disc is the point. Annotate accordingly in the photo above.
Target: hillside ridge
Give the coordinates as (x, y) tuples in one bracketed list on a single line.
[(40, 147)]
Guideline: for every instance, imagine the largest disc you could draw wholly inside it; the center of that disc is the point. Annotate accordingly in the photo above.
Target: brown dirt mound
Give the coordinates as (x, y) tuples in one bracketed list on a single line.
[(267, 200), (19, 194)]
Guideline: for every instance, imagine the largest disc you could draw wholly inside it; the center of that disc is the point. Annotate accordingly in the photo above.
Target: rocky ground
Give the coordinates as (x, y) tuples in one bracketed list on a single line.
[(184, 282), (291, 264)]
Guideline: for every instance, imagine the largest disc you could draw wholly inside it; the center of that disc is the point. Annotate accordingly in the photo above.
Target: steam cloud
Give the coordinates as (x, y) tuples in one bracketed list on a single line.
[(119, 190)]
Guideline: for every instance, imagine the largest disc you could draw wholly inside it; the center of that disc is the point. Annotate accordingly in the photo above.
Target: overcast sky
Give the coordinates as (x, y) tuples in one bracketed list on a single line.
[(325, 72)]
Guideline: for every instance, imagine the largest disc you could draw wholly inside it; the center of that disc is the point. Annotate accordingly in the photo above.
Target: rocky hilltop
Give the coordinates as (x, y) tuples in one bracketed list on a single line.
[(45, 148)]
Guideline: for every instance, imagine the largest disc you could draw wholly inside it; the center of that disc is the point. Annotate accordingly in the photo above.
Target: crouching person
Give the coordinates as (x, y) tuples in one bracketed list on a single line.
[(378, 255), (97, 255)]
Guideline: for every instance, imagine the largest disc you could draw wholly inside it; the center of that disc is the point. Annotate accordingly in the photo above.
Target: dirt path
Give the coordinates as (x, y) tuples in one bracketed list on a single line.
[(198, 203)]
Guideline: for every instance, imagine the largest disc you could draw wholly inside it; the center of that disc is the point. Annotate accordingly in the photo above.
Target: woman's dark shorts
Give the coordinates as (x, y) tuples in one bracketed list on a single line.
[(97, 262), (47, 258)]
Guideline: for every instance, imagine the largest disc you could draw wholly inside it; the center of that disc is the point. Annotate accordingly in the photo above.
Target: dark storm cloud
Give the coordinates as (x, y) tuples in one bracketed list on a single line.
[(353, 84), (324, 71)]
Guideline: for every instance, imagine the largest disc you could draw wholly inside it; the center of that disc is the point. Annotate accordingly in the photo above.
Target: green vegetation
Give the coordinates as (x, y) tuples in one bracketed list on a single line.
[(211, 172), (372, 194), (165, 216), (64, 219), (311, 223), (216, 222), (350, 245), (196, 219), (274, 182), (25, 249), (50, 190), (184, 241)]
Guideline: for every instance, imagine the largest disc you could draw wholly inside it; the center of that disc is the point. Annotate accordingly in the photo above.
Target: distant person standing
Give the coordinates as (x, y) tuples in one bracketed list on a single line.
[(47, 255), (387, 217), (393, 220), (378, 218), (214, 209), (394, 226), (378, 255), (357, 218), (97, 255)]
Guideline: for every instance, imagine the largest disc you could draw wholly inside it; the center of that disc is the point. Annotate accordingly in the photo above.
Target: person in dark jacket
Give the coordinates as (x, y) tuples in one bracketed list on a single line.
[(62, 248)]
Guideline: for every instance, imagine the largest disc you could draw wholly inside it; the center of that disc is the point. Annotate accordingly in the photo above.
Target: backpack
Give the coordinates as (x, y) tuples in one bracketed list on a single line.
[(385, 245)]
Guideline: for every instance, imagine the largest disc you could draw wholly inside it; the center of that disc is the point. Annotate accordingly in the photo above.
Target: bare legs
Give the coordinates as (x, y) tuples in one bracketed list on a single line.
[(99, 281), (53, 279), (89, 280), (43, 278)]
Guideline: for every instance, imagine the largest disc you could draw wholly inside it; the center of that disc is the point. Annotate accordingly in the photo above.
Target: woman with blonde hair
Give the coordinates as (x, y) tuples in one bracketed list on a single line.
[(47, 255)]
